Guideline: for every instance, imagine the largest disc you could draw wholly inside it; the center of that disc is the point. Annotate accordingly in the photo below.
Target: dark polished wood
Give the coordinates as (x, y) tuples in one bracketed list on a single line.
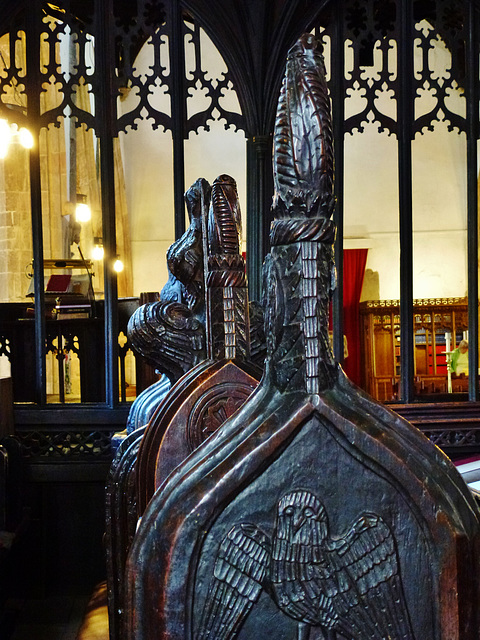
[(171, 335), (314, 511), (213, 390), (199, 403), (121, 517), (168, 332)]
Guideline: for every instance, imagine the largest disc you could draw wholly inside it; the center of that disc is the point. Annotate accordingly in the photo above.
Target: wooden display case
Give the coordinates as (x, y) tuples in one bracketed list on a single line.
[(380, 345)]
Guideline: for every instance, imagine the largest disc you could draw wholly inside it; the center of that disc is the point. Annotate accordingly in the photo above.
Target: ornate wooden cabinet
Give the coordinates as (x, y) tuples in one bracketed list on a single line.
[(436, 322)]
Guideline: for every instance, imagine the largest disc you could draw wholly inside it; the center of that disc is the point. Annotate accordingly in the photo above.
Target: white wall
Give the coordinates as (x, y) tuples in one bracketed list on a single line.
[(147, 156), (439, 197), (371, 188)]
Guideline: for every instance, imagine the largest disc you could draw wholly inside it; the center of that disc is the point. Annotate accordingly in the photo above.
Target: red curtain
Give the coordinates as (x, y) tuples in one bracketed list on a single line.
[(354, 261)]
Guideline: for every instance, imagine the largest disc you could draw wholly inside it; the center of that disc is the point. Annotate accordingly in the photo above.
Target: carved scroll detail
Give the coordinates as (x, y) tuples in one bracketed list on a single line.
[(169, 336)]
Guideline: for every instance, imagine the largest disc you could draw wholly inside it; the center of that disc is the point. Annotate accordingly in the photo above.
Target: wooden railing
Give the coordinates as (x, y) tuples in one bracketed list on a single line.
[(74, 353)]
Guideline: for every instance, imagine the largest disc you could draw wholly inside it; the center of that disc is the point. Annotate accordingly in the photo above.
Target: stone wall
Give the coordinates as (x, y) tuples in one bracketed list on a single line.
[(15, 225)]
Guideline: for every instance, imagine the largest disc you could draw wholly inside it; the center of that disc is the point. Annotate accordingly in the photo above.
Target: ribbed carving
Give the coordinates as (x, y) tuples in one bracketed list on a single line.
[(227, 298), (319, 363), (300, 267), (226, 279), (224, 219), (288, 230), (303, 150)]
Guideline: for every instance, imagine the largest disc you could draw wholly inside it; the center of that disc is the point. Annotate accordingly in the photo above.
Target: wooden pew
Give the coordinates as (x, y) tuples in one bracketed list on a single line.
[(159, 333), (213, 390), (313, 512), (227, 375)]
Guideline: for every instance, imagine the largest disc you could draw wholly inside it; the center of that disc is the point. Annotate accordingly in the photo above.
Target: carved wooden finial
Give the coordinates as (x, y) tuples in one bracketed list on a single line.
[(205, 260), (216, 387), (303, 139), (298, 272), (170, 334), (227, 297)]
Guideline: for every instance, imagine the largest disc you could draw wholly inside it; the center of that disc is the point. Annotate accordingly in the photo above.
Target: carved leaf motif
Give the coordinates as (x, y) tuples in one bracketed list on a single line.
[(303, 152)]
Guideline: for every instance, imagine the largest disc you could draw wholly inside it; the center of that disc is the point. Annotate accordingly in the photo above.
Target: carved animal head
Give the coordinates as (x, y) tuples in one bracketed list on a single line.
[(185, 256), (301, 519), (168, 336)]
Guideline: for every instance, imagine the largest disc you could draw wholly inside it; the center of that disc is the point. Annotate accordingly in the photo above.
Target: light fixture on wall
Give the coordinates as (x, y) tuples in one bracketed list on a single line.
[(82, 210), (10, 133), (118, 265), (25, 138), (98, 251)]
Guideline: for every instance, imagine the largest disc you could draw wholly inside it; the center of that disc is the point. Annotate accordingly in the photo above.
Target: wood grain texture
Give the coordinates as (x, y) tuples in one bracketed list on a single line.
[(307, 446)]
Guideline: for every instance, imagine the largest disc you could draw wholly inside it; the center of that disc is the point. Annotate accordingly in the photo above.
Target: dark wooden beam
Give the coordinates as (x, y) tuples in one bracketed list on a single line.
[(472, 200), (106, 100), (405, 121)]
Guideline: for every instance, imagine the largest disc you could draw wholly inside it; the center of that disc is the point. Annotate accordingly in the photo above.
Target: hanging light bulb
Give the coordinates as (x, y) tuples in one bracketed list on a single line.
[(25, 138), (9, 133), (98, 251), (82, 210), (5, 137), (118, 265)]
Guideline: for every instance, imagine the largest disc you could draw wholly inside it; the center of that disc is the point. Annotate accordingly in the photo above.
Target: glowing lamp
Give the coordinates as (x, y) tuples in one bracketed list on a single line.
[(98, 251), (25, 138), (82, 210), (118, 265)]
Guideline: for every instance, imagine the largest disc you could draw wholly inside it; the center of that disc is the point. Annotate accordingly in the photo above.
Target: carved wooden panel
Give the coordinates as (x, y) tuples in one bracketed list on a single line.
[(171, 335), (200, 411), (314, 512), (121, 521), (214, 389)]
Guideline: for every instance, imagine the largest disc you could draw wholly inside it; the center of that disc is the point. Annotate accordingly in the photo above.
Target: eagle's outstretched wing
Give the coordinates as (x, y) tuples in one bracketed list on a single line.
[(237, 582), (370, 602)]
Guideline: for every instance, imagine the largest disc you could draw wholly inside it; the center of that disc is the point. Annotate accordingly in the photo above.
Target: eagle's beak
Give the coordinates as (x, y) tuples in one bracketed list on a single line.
[(298, 523)]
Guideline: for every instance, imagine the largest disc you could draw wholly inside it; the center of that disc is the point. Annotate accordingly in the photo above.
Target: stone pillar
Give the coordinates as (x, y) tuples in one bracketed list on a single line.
[(15, 225)]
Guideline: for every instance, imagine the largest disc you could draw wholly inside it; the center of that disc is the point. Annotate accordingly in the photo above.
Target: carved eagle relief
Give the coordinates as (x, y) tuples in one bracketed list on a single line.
[(349, 585)]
